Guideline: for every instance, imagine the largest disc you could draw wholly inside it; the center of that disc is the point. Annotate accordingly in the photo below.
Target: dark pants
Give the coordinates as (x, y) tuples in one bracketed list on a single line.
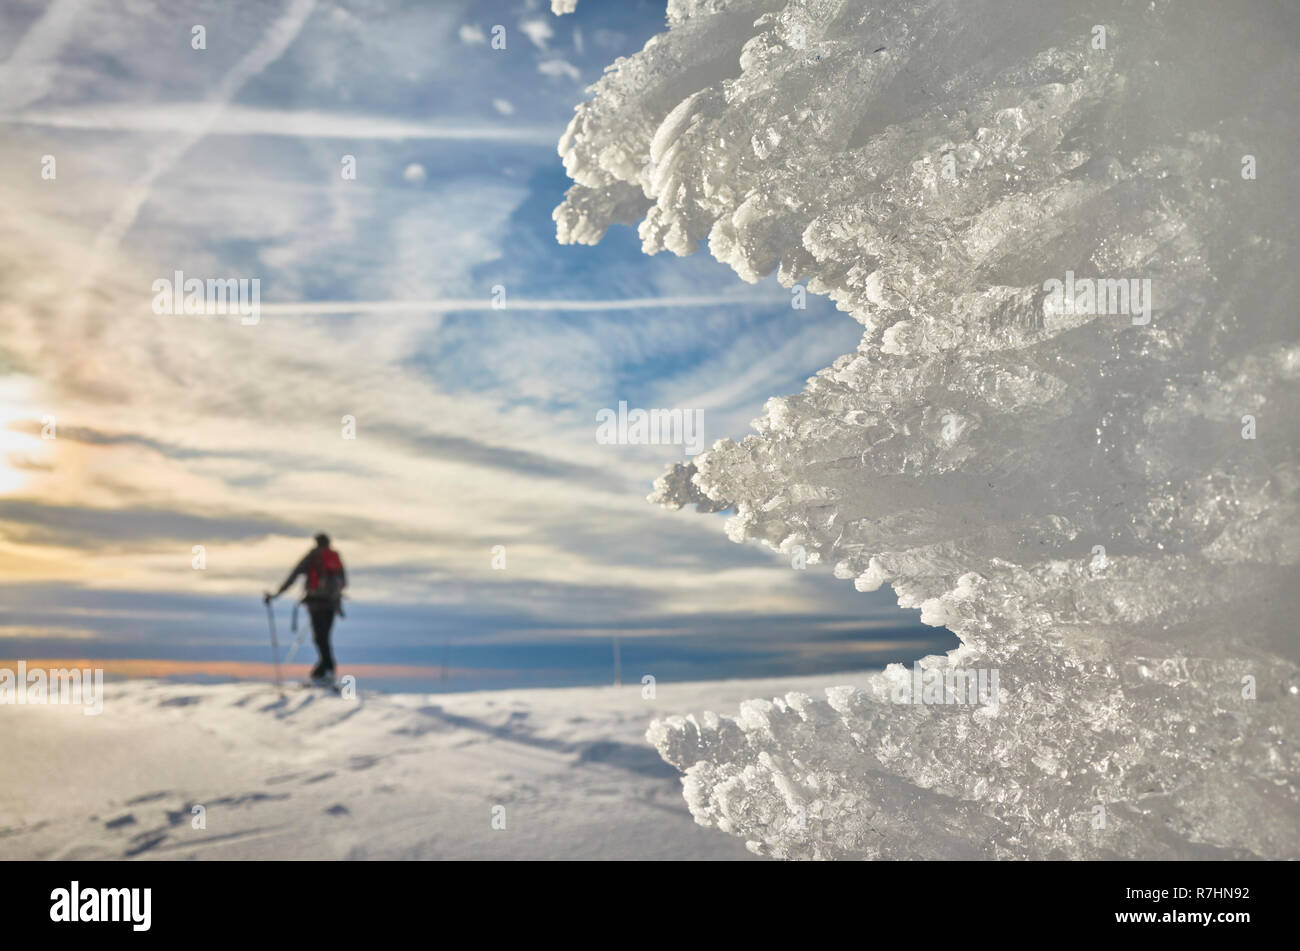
[(322, 620)]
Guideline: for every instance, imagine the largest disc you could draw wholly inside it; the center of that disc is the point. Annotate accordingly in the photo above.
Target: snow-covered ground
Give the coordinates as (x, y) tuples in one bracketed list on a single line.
[(315, 776)]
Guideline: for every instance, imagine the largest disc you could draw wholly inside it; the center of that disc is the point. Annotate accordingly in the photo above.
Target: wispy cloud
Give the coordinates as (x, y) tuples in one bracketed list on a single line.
[(28, 74), (39, 632), (270, 47), (521, 304), (475, 427), (199, 119)]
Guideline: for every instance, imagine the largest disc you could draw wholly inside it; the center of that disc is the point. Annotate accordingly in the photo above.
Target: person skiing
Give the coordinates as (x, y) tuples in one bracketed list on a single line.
[(326, 580)]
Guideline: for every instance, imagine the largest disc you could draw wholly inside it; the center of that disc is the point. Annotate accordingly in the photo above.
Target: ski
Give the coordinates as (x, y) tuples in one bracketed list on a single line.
[(335, 686)]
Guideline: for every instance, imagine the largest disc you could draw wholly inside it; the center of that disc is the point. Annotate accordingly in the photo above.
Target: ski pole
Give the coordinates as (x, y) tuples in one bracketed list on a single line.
[(297, 641), (275, 648)]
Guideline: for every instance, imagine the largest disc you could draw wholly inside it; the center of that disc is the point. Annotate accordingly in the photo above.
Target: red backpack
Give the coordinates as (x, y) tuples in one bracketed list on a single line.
[(325, 576)]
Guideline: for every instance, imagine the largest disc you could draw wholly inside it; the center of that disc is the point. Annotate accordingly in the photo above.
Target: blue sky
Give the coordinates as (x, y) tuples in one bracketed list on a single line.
[(474, 427)]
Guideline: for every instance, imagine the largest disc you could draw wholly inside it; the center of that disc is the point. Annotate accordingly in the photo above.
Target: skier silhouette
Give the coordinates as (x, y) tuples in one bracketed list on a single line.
[(326, 580)]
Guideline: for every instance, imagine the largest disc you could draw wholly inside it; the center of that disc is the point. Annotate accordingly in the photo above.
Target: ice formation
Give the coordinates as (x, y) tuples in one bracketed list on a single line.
[(1100, 500)]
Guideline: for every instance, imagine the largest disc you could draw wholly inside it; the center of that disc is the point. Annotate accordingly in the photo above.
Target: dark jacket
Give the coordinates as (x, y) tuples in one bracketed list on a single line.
[(310, 567)]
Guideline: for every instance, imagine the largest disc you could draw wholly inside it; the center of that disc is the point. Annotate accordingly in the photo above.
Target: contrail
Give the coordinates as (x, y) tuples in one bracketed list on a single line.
[(191, 118), (29, 72), (271, 47), (323, 308)]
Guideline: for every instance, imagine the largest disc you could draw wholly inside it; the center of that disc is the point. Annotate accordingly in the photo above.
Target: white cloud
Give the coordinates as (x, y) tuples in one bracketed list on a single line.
[(471, 35), (190, 118), (232, 397), (451, 305), (28, 73), (557, 68), (537, 30)]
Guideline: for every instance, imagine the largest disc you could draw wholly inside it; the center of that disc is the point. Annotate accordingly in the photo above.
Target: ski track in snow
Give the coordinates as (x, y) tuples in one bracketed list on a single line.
[(311, 776)]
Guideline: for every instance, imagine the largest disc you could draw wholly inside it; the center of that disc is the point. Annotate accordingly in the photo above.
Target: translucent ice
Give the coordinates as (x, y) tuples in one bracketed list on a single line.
[(1068, 434)]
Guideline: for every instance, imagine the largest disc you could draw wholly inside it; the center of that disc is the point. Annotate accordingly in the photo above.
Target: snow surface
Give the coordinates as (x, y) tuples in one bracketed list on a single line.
[(1102, 506), (387, 776)]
